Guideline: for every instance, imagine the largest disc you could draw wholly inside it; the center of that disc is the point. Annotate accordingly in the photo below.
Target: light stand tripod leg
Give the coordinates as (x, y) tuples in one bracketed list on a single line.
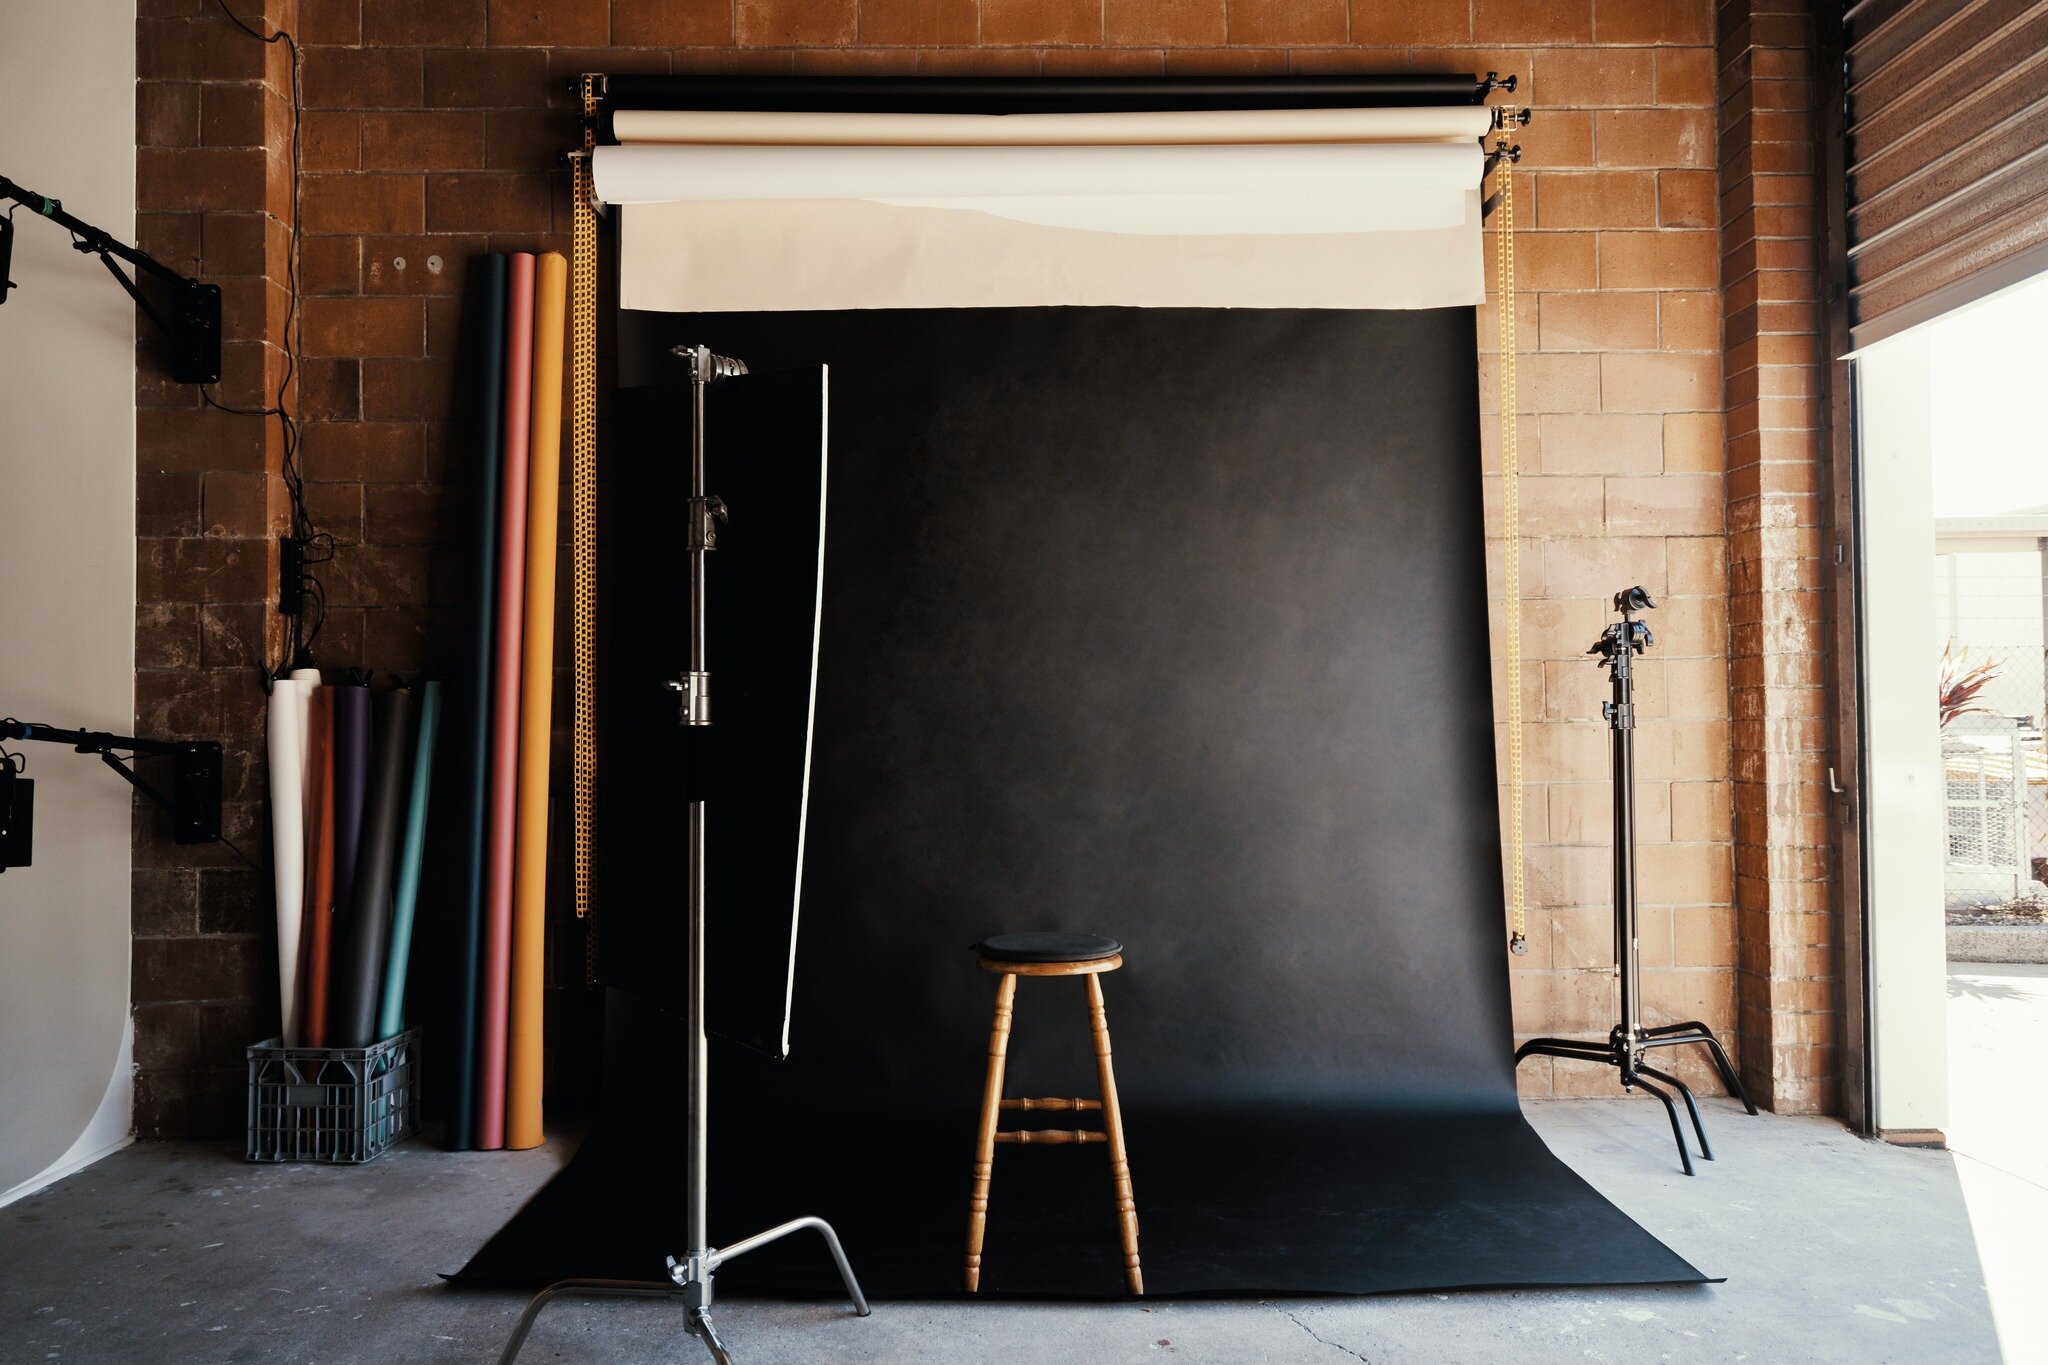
[(1677, 1132), (635, 1289), (1675, 1035), (781, 1230), (1691, 1108), (699, 1326)]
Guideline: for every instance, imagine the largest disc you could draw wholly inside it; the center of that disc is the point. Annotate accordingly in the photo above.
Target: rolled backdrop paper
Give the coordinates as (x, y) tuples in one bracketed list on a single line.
[(406, 893), (352, 737), (1342, 208), (359, 991), (316, 940), (285, 745), (487, 400), (1152, 127), (536, 713), (510, 609)]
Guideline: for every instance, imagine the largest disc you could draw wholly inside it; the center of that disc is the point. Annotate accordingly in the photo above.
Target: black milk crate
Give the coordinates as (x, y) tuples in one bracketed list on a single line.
[(333, 1104)]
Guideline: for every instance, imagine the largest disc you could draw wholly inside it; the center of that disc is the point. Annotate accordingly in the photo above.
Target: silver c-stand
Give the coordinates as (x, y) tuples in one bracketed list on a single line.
[(691, 1274)]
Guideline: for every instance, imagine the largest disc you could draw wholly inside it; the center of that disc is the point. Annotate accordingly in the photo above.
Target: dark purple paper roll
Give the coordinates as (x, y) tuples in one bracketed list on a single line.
[(359, 989), (351, 788)]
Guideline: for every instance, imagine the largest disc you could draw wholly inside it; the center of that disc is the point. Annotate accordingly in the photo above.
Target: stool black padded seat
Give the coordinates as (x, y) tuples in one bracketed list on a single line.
[(1047, 947)]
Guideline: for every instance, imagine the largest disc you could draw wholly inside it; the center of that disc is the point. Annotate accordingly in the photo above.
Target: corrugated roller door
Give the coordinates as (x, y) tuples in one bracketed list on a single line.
[(1947, 154)]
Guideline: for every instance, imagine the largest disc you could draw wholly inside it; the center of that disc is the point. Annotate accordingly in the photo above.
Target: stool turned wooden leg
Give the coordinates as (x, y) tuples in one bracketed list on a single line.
[(985, 1141), (1113, 1121)]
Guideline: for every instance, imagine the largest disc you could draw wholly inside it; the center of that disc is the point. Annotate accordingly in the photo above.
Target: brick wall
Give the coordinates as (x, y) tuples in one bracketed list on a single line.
[(213, 194), (1778, 604), (430, 135)]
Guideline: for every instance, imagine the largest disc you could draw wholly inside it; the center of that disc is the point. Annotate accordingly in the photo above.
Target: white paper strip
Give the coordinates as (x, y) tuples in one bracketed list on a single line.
[(285, 737), (785, 256), (1465, 123), (672, 174)]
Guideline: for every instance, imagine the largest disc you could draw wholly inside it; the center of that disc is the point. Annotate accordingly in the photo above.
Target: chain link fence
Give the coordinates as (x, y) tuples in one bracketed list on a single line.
[(1993, 696)]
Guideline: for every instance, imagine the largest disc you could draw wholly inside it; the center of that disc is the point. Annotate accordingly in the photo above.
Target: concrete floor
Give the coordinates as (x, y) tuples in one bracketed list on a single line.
[(1834, 1250), (1998, 1130)]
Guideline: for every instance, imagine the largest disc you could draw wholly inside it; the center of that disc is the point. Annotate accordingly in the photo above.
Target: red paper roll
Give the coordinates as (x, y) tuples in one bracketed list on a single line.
[(509, 643), (316, 939)]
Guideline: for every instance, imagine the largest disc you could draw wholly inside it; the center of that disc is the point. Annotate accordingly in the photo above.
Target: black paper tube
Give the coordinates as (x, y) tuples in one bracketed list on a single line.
[(369, 924), (1029, 95), (351, 788), (470, 695)]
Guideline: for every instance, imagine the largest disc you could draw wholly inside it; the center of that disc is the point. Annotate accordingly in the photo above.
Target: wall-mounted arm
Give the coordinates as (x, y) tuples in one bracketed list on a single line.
[(191, 323), (194, 802)]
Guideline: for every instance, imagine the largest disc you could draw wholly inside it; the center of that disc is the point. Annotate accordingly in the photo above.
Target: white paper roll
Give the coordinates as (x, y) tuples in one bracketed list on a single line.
[(685, 174), (1153, 128), (285, 735)]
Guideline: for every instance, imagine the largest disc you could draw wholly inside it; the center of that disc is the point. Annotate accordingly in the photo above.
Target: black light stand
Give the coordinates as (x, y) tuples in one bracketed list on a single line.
[(1628, 1045), (692, 1273)]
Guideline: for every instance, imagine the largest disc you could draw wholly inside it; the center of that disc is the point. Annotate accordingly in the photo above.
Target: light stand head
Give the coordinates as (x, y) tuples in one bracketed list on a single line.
[(1631, 600), (707, 368), (1627, 636)]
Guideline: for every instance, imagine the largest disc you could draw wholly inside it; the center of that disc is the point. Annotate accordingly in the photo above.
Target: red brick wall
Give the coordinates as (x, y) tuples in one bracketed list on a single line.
[(431, 132)]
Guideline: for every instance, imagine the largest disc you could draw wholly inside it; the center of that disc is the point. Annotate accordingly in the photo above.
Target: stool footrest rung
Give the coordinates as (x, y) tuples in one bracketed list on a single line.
[(1067, 1106), (1053, 1137)]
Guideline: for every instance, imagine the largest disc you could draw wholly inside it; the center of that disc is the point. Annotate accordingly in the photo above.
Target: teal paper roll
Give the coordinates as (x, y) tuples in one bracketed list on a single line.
[(391, 1016)]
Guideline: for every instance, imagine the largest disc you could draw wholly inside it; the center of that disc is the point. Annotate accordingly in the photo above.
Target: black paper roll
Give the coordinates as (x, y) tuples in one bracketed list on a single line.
[(352, 738), (469, 695), (359, 989)]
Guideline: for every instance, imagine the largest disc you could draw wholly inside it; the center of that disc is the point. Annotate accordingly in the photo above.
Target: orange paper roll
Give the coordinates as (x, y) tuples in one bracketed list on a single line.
[(536, 705)]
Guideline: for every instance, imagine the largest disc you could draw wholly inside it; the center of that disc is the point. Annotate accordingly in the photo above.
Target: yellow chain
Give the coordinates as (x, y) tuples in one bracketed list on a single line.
[(1511, 541), (583, 504)]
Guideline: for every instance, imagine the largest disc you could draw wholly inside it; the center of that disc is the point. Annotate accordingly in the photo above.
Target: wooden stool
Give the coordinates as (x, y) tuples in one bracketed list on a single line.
[(1015, 955)]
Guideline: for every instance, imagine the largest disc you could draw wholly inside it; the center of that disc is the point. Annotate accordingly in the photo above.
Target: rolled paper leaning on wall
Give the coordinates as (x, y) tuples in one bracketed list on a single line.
[(316, 938), (486, 338), (285, 743), (509, 607), (362, 956), (406, 892), (526, 1055)]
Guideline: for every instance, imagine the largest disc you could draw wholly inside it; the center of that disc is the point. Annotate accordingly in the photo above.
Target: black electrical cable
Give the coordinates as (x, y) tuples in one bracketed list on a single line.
[(315, 547)]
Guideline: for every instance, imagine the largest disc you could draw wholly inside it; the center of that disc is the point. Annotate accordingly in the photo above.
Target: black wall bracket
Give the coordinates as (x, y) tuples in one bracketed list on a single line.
[(193, 801), (189, 316)]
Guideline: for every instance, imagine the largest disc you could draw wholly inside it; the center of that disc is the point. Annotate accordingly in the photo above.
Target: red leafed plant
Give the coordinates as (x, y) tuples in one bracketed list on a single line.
[(1961, 682)]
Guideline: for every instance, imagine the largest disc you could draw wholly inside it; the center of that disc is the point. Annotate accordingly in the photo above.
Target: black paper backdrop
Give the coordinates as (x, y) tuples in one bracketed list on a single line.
[(1169, 625)]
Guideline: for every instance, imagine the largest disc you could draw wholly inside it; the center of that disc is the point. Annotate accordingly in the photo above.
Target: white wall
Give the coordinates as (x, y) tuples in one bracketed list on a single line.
[(1905, 821), (67, 584)]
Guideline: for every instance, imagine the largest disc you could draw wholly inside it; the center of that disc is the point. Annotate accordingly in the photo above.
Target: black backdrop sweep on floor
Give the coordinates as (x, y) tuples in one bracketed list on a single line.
[(1165, 624)]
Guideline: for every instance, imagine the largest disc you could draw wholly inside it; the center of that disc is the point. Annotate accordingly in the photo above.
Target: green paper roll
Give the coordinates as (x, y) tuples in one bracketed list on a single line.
[(398, 957)]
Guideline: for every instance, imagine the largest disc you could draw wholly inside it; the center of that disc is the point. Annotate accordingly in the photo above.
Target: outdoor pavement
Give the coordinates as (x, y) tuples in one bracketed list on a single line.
[(1998, 1131), (1834, 1249)]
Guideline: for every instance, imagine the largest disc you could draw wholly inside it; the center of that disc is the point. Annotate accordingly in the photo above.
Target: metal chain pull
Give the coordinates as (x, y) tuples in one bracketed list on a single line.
[(1511, 534), (583, 506)]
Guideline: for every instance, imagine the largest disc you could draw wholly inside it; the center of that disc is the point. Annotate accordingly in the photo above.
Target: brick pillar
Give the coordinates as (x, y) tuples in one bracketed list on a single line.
[(1778, 610), (213, 122)]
